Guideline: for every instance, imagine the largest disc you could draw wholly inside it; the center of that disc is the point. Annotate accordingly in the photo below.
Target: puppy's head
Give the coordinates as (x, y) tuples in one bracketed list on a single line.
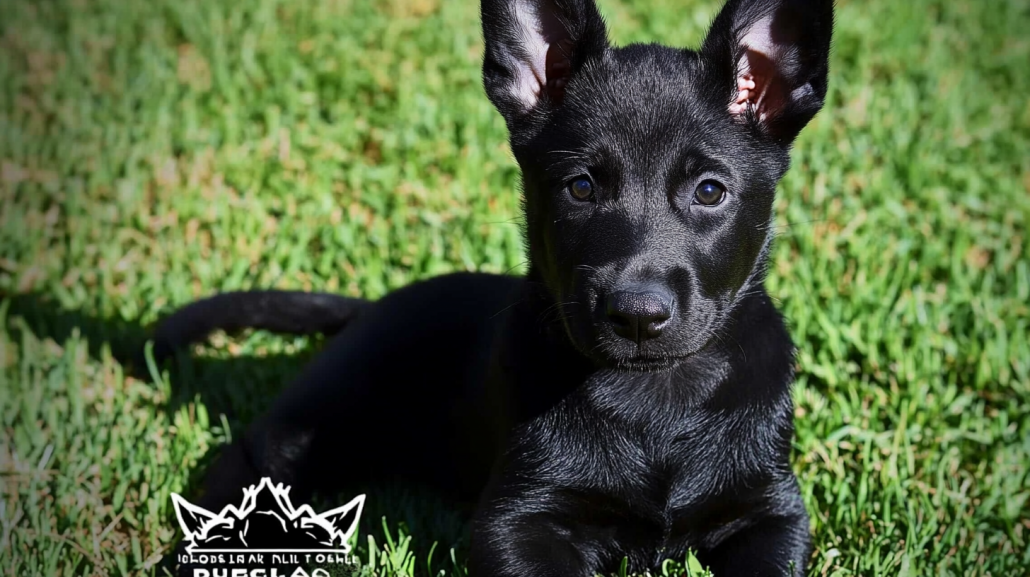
[(649, 171)]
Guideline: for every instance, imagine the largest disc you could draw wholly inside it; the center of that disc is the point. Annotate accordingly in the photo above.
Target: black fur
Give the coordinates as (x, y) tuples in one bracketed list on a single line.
[(630, 397)]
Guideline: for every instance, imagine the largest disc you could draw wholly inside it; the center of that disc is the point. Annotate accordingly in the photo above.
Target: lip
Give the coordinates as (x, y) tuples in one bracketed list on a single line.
[(649, 364), (587, 346)]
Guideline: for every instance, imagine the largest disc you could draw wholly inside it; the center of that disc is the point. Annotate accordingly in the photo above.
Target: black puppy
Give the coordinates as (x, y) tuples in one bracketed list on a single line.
[(628, 398)]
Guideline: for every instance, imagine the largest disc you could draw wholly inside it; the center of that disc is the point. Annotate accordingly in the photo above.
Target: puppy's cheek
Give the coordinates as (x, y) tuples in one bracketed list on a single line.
[(567, 317), (585, 328), (691, 330)]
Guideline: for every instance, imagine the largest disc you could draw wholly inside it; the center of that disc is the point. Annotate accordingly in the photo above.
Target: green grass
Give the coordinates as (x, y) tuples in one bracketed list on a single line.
[(153, 152)]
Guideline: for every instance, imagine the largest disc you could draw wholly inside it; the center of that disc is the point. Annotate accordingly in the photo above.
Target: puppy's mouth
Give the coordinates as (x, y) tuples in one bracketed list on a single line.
[(597, 341), (644, 364)]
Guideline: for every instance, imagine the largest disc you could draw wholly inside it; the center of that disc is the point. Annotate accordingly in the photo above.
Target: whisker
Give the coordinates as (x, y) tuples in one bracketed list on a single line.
[(575, 153), (514, 221), (524, 262), (553, 312), (509, 307)]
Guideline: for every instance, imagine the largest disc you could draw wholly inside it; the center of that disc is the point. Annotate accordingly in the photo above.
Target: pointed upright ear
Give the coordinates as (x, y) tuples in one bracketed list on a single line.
[(770, 58), (191, 517), (345, 519), (533, 48)]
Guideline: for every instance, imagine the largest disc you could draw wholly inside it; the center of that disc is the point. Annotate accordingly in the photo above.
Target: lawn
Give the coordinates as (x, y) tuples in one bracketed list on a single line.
[(154, 152)]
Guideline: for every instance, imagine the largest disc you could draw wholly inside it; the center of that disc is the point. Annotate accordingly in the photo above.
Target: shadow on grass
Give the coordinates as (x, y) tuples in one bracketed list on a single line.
[(235, 391)]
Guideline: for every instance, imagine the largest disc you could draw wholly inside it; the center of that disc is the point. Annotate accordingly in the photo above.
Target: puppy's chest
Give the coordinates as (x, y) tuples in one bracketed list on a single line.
[(676, 468), (673, 482)]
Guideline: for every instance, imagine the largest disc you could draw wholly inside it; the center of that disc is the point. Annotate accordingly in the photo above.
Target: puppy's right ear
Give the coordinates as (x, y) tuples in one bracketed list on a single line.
[(769, 59), (533, 49)]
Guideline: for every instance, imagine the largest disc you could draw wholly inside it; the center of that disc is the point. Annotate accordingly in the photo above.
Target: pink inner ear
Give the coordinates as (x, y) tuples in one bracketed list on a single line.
[(745, 86), (759, 87)]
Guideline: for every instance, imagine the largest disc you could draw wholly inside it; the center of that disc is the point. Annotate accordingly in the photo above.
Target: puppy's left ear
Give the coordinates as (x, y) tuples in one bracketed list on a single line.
[(770, 60)]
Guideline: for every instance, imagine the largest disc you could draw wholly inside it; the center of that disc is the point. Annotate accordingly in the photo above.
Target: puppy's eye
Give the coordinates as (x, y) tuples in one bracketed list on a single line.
[(709, 193), (581, 188)]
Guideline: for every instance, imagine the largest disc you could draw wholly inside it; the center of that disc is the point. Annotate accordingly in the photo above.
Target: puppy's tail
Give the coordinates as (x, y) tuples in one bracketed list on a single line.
[(287, 312)]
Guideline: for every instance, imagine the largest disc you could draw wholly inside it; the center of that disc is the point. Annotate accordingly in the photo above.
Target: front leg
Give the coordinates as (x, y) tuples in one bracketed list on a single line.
[(777, 545), (508, 544), (534, 532)]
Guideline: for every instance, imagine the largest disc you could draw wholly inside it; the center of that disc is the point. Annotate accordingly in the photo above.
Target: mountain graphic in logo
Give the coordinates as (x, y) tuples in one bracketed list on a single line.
[(266, 521)]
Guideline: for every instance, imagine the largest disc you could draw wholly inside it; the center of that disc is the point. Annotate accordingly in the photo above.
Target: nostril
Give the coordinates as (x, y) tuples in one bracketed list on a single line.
[(616, 315), (659, 318), (653, 325)]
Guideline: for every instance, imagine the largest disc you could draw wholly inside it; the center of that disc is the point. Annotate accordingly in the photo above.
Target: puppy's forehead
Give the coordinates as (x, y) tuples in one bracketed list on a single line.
[(642, 96)]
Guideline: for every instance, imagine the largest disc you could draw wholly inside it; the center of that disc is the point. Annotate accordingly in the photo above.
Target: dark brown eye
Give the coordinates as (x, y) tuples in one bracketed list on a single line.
[(709, 193), (581, 188)]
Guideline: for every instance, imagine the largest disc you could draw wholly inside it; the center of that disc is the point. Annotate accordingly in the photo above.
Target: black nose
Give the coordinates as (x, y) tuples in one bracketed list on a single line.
[(639, 314)]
